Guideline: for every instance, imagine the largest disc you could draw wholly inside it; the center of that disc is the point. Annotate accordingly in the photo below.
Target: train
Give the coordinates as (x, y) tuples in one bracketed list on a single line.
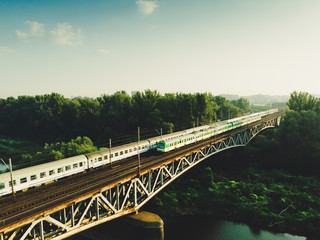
[(44, 173)]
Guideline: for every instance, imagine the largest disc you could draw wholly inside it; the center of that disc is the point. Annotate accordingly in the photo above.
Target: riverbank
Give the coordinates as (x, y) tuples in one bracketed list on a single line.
[(272, 200)]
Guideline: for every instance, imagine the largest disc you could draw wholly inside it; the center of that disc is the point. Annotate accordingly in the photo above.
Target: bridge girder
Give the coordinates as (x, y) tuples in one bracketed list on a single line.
[(123, 198)]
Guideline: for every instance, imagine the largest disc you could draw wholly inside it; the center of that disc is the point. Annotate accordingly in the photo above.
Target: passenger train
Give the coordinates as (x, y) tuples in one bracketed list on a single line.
[(47, 172)]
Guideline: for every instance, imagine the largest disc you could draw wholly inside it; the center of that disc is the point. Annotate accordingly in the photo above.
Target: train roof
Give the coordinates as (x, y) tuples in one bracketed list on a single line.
[(167, 136), (171, 140), (24, 172), (197, 129), (118, 148)]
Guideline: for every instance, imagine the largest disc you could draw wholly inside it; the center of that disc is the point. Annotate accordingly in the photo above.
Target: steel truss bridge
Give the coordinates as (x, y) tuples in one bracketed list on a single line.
[(127, 195)]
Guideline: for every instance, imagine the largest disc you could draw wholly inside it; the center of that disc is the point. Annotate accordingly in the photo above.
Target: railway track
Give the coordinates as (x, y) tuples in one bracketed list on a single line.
[(37, 200)]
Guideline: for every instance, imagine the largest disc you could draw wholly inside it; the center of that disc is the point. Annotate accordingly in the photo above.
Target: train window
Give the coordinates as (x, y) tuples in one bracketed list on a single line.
[(130, 150), (51, 172), (121, 153), (135, 149), (126, 151), (33, 177), (68, 167), (80, 164), (43, 174), (116, 154), (1, 185), (105, 157), (75, 165), (100, 159), (60, 170), (23, 180), (14, 183), (111, 156)]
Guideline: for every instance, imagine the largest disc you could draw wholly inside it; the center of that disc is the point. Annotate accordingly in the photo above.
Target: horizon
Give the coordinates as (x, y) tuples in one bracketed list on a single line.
[(133, 92), (80, 48)]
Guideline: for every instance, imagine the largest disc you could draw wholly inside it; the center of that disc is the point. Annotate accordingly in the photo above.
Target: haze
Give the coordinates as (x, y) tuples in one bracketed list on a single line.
[(87, 48)]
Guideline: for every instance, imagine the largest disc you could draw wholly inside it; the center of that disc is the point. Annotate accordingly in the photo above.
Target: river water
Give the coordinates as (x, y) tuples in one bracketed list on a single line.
[(185, 228)]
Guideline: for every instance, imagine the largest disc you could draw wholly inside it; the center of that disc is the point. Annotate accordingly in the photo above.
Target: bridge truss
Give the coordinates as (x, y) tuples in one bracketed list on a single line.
[(125, 197)]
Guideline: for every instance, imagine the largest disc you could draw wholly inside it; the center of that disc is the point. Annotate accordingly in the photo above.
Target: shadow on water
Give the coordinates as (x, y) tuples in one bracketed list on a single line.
[(255, 231), (113, 230), (186, 228)]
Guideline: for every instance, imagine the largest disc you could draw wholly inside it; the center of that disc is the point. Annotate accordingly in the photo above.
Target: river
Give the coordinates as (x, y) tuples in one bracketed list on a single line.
[(185, 228)]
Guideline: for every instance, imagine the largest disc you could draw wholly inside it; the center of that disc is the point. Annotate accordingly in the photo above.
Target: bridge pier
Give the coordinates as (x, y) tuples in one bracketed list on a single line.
[(151, 223)]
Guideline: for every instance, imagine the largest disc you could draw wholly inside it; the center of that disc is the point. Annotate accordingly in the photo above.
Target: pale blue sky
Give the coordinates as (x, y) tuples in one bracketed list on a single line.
[(87, 48)]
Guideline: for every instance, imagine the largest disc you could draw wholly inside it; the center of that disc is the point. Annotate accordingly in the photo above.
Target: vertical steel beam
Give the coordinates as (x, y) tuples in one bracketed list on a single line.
[(41, 230), (161, 177), (72, 215), (97, 208), (34, 233), (149, 181), (64, 216), (117, 198), (135, 193), (172, 168), (110, 195)]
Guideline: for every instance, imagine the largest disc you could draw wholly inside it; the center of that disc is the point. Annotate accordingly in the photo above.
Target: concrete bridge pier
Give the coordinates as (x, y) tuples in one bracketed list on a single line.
[(152, 225)]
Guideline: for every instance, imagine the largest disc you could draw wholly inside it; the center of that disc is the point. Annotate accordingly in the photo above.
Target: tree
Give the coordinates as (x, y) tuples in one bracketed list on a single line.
[(302, 101)]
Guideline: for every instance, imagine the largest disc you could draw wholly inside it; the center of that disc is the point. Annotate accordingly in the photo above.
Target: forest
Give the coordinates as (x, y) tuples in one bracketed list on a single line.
[(60, 127), (272, 183)]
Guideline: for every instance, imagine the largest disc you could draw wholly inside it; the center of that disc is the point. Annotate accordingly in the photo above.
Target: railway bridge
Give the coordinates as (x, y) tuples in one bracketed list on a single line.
[(66, 207)]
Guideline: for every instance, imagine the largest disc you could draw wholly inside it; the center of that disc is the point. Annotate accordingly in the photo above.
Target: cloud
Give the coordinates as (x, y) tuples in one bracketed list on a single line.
[(5, 50), (104, 51), (64, 34), (36, 30), (147, 7)]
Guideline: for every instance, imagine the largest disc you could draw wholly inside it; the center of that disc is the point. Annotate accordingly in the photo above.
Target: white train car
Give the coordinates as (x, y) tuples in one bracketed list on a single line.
[(42, 173), (211, 130), (103, 157)]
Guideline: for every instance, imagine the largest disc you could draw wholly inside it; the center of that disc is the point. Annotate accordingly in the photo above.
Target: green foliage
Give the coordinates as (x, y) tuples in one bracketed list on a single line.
[(249, 196), (302, 101), (59, 150), (52, 117), (298, 137), (13, 148), (243, 104), (294, 145)]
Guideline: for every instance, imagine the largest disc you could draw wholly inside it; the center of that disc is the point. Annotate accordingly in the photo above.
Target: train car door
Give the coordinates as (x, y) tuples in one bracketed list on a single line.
[(91, 163)]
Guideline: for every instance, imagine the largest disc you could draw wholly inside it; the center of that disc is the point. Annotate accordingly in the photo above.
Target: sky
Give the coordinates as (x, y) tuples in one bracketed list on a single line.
[(90, 48)]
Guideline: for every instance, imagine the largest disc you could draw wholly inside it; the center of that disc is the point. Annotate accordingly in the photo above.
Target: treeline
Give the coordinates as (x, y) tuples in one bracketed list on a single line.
[(52, 117), (272, 183), (295, 145)]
